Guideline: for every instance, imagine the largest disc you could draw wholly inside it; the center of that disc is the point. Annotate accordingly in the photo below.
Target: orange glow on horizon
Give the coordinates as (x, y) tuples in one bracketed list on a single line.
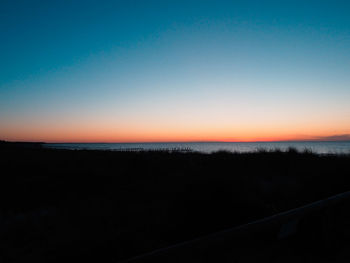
[(152, 138), (133, 132)]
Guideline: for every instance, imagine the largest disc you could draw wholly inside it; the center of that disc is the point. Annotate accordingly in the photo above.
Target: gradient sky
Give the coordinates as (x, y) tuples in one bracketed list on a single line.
[(129, 71)]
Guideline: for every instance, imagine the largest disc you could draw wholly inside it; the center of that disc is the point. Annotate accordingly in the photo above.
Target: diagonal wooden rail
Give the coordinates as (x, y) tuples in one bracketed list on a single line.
[(275, 227)]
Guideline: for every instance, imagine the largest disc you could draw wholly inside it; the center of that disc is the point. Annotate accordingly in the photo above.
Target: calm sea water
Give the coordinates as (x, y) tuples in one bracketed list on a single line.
[(208, 147)]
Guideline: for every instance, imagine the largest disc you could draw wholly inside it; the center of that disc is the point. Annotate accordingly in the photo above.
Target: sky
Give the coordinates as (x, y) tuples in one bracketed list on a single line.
[(148, 71)]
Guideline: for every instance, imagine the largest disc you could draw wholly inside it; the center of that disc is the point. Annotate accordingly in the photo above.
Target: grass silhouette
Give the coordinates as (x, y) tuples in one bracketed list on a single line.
[(58, 203)]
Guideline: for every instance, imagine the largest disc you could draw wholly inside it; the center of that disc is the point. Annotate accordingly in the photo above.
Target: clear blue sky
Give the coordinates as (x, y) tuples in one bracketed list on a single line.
[(174, 70)]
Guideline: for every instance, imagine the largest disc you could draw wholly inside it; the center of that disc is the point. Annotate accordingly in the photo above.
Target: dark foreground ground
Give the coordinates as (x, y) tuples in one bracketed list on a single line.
[(111, 206)]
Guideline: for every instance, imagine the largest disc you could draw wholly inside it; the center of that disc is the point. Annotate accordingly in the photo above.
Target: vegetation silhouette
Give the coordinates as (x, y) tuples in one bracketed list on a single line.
[(110, 205)]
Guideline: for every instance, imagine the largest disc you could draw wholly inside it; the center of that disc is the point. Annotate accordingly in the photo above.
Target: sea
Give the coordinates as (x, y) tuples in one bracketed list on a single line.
[(319, 147)]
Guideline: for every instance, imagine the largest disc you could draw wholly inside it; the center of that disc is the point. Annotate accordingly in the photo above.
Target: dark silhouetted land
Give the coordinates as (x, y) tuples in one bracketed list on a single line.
[(110, 206)]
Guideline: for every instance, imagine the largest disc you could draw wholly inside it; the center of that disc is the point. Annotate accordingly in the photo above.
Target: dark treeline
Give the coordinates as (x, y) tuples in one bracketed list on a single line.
[(115, 205)]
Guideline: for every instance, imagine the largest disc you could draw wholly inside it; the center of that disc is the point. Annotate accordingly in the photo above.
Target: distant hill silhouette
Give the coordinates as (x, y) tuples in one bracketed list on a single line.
[(341, 137)]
